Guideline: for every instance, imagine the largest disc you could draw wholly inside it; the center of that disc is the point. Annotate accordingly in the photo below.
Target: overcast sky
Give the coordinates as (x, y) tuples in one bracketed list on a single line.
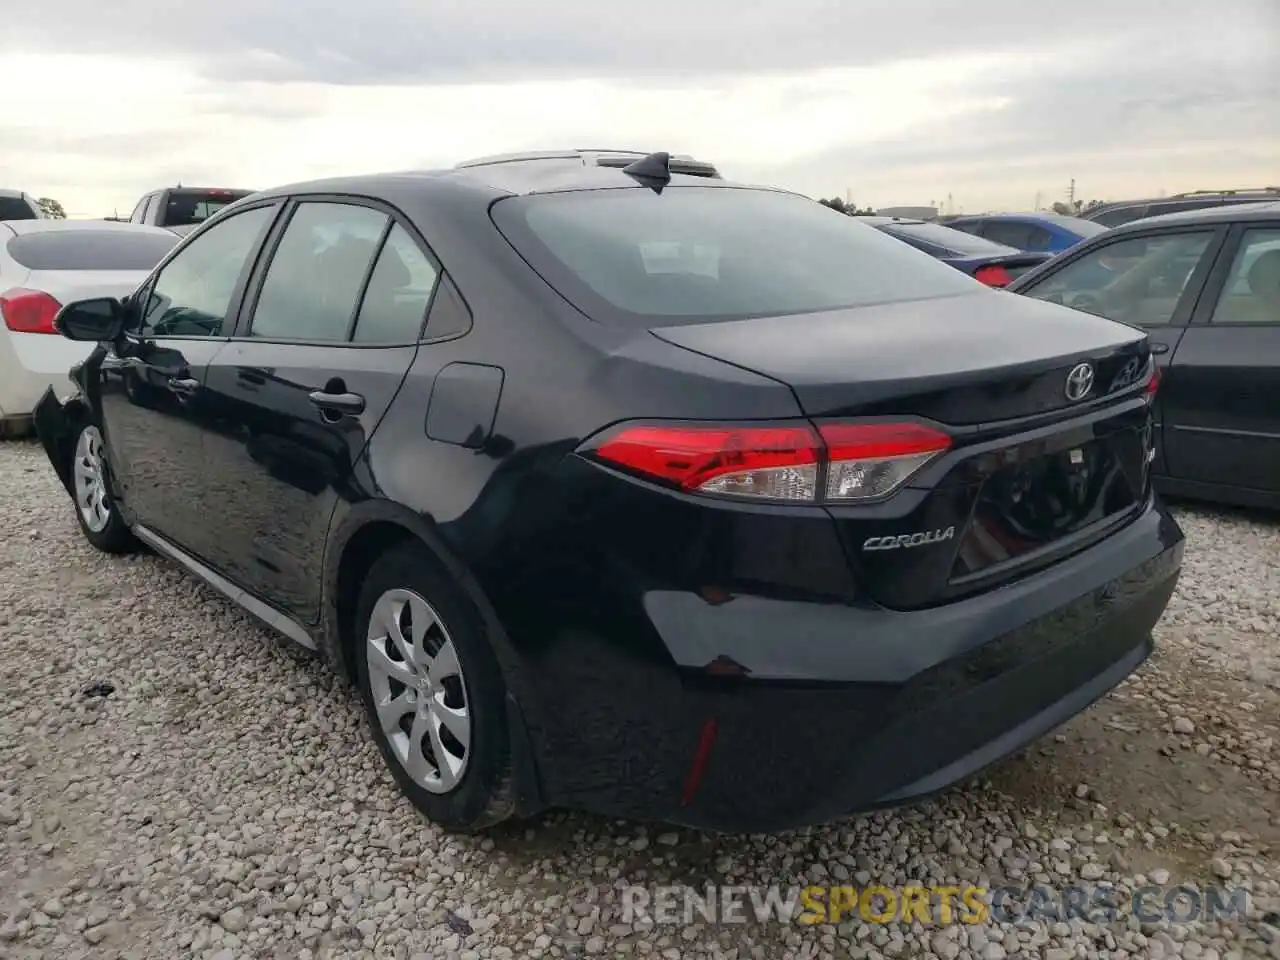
[(993, 102)]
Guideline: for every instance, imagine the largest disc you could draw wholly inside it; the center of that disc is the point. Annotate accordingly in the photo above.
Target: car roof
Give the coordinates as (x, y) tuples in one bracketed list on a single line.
[(1246, 195), (6, 192), (1229, 213), (237, 191), (1061, 219), (21, 227), (496, 180)]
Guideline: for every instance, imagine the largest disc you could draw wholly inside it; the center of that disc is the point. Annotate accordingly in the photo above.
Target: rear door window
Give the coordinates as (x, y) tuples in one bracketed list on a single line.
[(313, 284), (400, 288), (698, 254), (90, 249)]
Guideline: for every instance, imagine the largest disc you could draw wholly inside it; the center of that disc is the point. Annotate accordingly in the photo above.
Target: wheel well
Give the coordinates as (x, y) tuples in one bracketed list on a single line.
[(361, 551)]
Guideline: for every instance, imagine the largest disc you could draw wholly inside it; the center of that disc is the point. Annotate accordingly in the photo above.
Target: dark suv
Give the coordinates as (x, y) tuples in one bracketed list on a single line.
[(1127, 211), (628, 489)]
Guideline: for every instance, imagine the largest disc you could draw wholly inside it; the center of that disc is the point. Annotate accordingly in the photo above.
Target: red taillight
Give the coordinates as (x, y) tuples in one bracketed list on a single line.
[(778, 463), (993, 275), (29, 311), (1153, 384), (861, 461)]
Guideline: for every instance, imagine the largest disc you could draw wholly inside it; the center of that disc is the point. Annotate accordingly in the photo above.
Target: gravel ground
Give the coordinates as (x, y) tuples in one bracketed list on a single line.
[(176, 783)]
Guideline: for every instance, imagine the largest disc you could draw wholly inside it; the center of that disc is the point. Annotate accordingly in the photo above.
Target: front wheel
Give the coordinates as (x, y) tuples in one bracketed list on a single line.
[(433, 691), (100, 521)]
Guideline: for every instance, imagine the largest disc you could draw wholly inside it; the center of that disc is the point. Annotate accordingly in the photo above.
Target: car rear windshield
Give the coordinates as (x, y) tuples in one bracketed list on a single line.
[(90, 249), (699, 254), (954, 242), (189, 207), (1119, 216), (1085, 228), (16, 208)]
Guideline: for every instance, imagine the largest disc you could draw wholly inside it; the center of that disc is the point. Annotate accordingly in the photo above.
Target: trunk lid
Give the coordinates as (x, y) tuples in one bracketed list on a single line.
[(971, 359), (1034, 475), (68, 285)]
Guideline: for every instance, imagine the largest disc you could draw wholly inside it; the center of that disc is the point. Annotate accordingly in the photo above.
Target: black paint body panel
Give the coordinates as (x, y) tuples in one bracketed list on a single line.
[(626, 616)]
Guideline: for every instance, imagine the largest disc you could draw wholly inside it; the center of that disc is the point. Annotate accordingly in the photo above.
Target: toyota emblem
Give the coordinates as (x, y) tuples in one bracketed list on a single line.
[(1079, 382)]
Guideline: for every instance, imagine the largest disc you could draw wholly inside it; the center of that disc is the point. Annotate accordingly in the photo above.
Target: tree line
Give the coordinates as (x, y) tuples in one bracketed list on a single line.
[(51, 208), (835, 203)]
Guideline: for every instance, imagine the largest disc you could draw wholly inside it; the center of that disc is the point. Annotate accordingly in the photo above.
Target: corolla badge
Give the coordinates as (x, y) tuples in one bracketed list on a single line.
[(1079, 381), (907, 540)]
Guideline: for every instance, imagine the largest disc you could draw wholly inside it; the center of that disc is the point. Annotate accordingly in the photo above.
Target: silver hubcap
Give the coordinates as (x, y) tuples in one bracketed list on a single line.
[(418, 690), (91, 486)]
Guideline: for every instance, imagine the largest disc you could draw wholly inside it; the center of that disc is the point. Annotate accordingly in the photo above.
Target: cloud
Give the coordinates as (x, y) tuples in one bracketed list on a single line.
[(902, 101), (449, 41), (1123, 119)]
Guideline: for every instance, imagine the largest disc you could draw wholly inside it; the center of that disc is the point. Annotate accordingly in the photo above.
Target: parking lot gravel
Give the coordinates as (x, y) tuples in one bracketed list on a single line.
[(175, 782)]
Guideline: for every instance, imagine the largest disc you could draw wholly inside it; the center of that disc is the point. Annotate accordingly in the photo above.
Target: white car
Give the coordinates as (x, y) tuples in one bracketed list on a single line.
[(44, 264)]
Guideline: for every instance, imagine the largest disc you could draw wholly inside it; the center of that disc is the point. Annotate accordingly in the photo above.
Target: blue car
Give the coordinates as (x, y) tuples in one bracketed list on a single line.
[(1039, 232), (991, 263)]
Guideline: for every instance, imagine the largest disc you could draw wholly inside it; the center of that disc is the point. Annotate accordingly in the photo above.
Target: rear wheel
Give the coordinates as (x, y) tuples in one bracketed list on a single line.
[(433, 691), (100, 521)]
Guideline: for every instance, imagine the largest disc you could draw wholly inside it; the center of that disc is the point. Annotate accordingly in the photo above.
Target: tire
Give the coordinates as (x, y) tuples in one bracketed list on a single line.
[(96, 512), (471, 790)]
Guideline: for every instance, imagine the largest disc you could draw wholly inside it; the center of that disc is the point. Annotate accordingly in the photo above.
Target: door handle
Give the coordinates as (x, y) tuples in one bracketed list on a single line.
[(348, 403), (183, 386), (1159, 348)]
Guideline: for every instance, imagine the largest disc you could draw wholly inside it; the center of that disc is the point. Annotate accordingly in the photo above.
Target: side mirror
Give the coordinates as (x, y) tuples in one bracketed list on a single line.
[(97, 319)]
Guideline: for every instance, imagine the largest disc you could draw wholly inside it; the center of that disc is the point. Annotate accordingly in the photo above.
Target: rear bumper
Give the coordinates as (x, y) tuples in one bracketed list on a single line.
[(30, 364), (837, 708)]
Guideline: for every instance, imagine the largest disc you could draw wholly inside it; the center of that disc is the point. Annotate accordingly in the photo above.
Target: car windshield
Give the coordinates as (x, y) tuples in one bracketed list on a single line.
[(16, 208), (90, 249), (698, 254), (954, 242), (188, 208)]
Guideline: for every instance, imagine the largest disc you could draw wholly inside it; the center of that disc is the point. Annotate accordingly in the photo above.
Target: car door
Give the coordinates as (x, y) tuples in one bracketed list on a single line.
[(1224, 407), (151, 397), (1149, 279), (325, 339)]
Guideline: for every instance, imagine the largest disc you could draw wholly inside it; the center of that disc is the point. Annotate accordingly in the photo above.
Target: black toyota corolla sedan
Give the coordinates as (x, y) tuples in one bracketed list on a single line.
[(613, 484)]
